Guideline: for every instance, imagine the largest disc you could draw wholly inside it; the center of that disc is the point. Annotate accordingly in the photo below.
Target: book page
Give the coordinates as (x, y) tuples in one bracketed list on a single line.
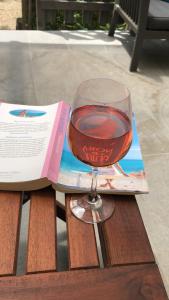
[(24, 137)]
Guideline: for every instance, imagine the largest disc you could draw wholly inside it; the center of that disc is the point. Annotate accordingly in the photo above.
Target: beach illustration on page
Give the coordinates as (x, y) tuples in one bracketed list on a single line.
[(127, 176), (27, 113)]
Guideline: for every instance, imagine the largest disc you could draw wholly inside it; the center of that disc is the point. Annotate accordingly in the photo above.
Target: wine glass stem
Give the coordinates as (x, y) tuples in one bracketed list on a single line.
[(93, 193)]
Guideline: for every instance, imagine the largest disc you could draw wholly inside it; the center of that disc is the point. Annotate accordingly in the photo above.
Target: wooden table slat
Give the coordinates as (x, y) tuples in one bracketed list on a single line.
[(81, 241), (41, 256), (10, 208), (124, 234), (132, 282)]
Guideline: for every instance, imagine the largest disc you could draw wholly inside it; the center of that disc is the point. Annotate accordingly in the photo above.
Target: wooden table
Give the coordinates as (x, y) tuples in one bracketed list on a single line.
[(129, 273)]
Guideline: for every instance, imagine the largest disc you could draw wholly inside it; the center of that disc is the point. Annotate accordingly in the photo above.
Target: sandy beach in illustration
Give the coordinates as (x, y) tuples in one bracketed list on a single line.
[(80, 181)]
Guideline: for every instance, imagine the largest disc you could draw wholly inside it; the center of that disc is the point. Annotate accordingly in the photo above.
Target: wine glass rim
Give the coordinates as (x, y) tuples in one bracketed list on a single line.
[(108, 79)]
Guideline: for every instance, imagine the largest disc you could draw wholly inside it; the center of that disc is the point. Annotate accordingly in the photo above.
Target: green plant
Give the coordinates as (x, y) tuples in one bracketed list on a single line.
[(78, 23)]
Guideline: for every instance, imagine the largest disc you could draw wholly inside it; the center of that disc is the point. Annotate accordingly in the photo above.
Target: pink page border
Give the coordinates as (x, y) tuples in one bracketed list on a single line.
[(54, 152)]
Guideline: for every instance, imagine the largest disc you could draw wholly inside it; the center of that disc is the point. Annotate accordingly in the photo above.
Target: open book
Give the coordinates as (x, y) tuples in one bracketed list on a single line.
[(31, 143), (34, 153)]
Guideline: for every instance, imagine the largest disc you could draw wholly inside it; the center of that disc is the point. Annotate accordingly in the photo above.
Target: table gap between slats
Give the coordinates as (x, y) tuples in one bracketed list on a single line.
[(23, 238)]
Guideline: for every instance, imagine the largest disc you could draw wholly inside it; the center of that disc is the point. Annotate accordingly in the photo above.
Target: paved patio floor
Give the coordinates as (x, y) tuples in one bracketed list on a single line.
[(43, 67)]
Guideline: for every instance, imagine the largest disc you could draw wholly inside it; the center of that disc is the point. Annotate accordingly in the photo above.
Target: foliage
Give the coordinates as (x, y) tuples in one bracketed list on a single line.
[(77, 21)]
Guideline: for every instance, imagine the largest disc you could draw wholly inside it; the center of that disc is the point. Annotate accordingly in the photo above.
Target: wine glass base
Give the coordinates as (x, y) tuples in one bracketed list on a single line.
[(92, 212)]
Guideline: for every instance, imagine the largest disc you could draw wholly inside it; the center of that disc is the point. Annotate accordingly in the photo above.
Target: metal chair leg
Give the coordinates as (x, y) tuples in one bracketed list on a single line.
[(114, 22), (136, 52)]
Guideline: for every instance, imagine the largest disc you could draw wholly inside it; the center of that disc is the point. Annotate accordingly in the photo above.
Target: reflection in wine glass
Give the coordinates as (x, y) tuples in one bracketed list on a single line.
[(100, 134)]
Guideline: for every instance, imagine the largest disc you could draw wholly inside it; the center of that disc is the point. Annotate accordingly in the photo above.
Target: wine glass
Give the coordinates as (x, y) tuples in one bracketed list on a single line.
[(100, 134)]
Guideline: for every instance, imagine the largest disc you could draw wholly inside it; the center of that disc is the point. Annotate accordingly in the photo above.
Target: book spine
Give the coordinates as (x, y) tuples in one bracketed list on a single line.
[(54, 152)]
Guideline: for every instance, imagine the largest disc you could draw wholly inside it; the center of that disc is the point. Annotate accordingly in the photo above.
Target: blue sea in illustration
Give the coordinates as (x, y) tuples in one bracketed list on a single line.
[(131, 163), (27, 113)]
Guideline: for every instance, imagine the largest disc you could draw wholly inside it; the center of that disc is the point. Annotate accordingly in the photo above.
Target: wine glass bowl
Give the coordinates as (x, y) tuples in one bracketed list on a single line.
[(100, 134)]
